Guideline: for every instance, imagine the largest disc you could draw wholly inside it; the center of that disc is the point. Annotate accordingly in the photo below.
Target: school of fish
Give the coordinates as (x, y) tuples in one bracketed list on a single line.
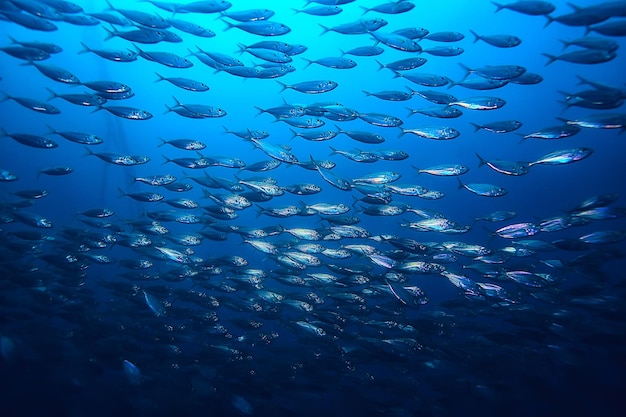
[(260, 263)]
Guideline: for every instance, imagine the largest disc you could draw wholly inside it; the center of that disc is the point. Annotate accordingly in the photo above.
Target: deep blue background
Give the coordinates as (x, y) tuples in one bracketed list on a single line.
[(474, 362)]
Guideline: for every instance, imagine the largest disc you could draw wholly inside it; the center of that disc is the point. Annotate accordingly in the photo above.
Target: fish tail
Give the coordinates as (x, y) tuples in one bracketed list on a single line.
[(481, 160), (177, 102), (98, 108), (242, 48), (89, 152), (367, 93), (551, 58), (467, 70), (309, 62), (565, 44), (12, 39), (452, 84), (582, 80), (365, 10), (296, 11), (523, 137), (161, 78), (324, 29), (477, 127), (334, 151), (476, 36), (550, 20), (111, 33), (380, 64), (163, 142), (169, 109), (411, 111), (52, 94), (460, 183), (261, 111), (588, 29), (404, 132), (51, 130), (397, 74), (85, 48), (293, 133), (5, 97), (285, 86), (3, 132), (259, 211), (228, 25), (342, 52), (122, 193), (110, 6), (498, 6), (166, 159)]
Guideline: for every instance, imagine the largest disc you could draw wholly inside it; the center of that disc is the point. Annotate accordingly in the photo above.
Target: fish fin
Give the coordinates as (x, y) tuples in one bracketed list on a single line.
[(467, 70), (85, 49), (111, 33), (476, 36), (89, 152), (480, 158), (575, 7), (582, 80), (228, 25), (551, 58), (242, 48), (177, 102), (461, 185), (285, 86), (550, 20), (498, 6), (52, 94), (110, 6)]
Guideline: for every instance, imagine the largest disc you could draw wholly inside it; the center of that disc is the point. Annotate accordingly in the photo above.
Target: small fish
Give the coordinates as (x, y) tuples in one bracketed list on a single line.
[(564, 156), (433, 132), (311, 87), (485, 190), (499, 41)]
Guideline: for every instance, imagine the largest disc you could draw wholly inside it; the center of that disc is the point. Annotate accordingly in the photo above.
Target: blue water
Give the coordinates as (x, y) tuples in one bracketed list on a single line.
[(65, 335)]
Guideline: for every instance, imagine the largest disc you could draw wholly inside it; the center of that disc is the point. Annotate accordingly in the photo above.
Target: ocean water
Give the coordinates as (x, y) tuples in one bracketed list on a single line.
[(534, 333)]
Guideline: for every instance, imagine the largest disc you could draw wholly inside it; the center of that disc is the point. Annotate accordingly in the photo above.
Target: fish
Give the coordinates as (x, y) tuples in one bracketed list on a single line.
[(297, 267), (564, 156), (481, 189)]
